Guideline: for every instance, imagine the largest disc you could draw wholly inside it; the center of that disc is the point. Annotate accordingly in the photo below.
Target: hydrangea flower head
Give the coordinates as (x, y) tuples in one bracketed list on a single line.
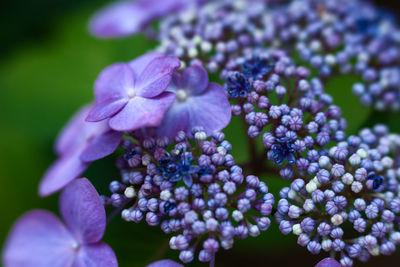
[(163, 114)]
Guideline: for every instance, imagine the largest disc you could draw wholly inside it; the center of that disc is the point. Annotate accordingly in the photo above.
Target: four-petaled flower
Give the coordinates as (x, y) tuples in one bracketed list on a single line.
[(257, 67), (132, 94), (375, 182), (178, 166), (40, 239), (283, 150), (198, 102), (79, 144), (237, 85)]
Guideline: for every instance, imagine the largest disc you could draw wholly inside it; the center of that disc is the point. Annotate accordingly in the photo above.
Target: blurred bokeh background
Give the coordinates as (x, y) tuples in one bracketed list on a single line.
[(48, 63)]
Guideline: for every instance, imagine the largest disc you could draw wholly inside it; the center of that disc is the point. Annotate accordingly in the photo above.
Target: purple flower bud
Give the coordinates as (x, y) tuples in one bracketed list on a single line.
[(338, 245), (285, 227), (324, 229), (323, 176), (186, 256), (360, 225), (303, 240), (152, 219), (307, 225), (314, 247)]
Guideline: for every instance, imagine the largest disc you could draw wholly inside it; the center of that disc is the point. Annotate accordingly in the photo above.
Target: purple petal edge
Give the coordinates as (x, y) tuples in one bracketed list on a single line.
[(328, 262), (83, 211), (165, 263)]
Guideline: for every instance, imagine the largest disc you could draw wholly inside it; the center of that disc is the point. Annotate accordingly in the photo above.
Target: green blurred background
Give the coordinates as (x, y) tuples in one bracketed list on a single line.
[(48, 63)]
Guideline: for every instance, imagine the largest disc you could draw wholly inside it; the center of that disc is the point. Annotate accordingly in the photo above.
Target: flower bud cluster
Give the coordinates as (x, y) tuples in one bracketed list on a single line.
[(216, 32), (346, 37), (193, 190), (292, 113), (351, 206), (332, 37)]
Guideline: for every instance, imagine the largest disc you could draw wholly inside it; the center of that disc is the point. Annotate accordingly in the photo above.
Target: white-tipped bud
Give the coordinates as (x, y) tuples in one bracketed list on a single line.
[(211, 224), (200, 136), (297, 229), (387, 162), (315, 180), (330, 60), (206, 47), (183, 65), (355, 160), (311, 187), (193, 52), (130, 192), (227, 243), (347, 178), (237, 215), (315, 45), (308, 205), (326, 244), (221, 150), (375, 251), (165, 195), (197, 39), (337, 219), (356, 187), (324, 162), (292, 194), (362, 153), (125, 215), (172, 243), (207, 215), (395, 237), (254, 231)]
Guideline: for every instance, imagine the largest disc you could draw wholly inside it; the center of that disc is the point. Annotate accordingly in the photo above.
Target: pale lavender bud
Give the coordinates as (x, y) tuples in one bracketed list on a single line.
[(186, 256)]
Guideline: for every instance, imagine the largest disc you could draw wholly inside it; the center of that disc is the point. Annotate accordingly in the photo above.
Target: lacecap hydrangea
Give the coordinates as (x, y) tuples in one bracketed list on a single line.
[(164, 115)]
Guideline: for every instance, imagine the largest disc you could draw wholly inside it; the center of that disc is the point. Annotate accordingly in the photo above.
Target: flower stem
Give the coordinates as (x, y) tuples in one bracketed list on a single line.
[(212, 262)]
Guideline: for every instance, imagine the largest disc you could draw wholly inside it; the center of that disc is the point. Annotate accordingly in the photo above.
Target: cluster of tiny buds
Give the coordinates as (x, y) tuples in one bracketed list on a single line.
[(295, 121), (216, 32), (356, 190), (195, 192), (345, 37)]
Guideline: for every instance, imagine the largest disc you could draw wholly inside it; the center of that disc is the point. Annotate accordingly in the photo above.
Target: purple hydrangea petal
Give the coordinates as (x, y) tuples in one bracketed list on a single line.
[(211, 110), (70, 137), (63, 171), (83, 211), (156, 10), (113, 82), (112, 88), (176, 119), (194, 80), (99, 255), (39, 239), (328, 262), (138, 65), (101, 146), (142, 112), (156, 77), (106, 109), (165, 263), (119, 19)]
